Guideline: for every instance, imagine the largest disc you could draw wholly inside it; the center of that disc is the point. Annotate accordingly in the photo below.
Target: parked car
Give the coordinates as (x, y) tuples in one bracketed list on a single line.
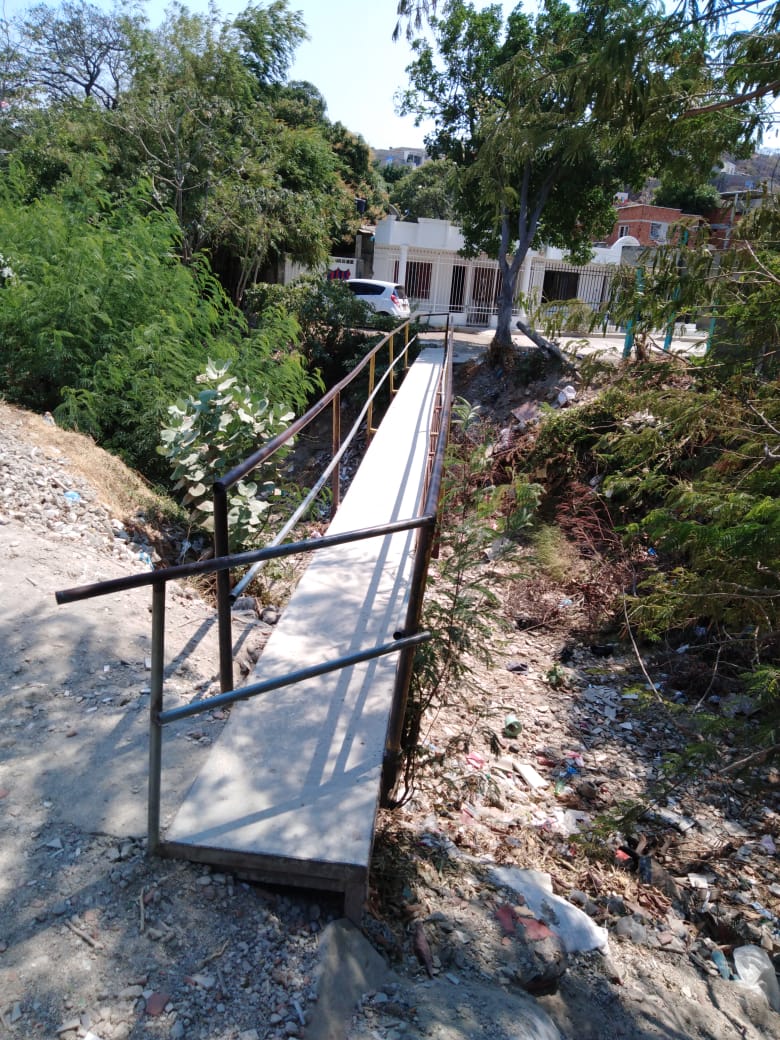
[(383, 297)]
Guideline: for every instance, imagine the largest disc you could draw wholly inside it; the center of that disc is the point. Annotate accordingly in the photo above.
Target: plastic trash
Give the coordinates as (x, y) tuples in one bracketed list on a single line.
[(756, 971), (72, 496), (576, 930), (720, 962), (512, 726)]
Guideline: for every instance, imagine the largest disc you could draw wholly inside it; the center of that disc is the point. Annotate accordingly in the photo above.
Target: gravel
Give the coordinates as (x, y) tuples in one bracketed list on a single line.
[(97, 940)]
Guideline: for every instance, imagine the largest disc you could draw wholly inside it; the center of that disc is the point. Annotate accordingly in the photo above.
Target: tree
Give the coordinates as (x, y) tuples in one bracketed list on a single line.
[(206, 120), (414, 12), (700, 198), (749, 54), (270, 36), (78, 50), (547, 118), (427, 191)]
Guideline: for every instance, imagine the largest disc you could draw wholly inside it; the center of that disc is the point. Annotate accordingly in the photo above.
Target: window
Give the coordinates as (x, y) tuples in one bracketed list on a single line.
[(658, 232), (365, 288), (560, 285), (624, 230), (458, 287), (418, 279)]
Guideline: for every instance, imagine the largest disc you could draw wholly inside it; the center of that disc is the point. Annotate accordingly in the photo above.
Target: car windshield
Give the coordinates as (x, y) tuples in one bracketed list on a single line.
[(400, 292)]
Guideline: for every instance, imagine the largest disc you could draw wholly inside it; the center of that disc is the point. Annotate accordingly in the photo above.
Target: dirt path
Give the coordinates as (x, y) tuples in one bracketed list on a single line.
[(96, 941)]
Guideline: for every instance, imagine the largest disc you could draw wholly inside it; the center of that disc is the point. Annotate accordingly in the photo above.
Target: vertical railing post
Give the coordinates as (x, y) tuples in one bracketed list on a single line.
[(631, 326), (370, 415), (155, 708), (222, 548), (392, 370), (335, 480), (406, 345)]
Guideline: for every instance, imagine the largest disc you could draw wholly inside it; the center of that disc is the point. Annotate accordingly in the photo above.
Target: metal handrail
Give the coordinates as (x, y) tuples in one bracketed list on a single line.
[(403, 642), (222, 485)]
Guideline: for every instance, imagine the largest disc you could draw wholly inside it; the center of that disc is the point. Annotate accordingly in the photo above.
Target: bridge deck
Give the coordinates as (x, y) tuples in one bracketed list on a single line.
[(289, 792)]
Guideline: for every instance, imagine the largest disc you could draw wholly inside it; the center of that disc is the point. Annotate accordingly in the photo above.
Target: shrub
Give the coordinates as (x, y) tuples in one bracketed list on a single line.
[(208, 435)]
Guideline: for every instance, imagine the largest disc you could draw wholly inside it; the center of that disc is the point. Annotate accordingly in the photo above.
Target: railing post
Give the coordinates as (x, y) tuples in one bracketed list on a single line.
[(155, 708), (406, 346), (392, 370), (370, 415), (222, 548), (403, 675), (335, 479)]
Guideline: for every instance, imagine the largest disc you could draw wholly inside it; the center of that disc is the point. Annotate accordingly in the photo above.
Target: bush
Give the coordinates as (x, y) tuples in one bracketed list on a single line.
[(211, 433), (102, 324), (336, 327)]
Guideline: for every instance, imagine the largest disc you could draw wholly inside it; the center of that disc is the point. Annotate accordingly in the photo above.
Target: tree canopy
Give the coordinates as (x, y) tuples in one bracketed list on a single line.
[(201, 110), (547, 116)]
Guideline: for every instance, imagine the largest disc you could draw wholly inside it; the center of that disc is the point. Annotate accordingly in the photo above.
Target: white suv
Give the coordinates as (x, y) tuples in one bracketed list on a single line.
[(383, 297)]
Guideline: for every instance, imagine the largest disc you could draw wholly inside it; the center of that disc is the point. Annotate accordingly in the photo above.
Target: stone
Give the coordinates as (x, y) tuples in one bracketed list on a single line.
[(349, 966), (540, 957), (630, 928), (155, 1003), (131, 992)]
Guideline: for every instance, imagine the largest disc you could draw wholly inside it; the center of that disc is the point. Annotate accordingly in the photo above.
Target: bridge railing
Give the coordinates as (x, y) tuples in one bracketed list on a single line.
[(403, 642), (397, 345)]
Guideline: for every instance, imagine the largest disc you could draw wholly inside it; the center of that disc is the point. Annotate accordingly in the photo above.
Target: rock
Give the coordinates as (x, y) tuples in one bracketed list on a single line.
[(540, 957), (630, 928), (652, 873), (348, 967), (131, 992), (155, 1003)]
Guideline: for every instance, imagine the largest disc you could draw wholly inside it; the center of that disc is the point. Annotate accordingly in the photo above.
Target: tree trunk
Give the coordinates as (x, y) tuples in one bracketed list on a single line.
[(501, 349)]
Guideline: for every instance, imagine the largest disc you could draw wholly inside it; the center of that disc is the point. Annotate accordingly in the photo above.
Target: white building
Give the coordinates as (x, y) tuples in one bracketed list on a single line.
[(425, 258)]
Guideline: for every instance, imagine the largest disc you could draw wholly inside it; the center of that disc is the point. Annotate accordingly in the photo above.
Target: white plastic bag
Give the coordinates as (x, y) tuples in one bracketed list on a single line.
[(756, 971)]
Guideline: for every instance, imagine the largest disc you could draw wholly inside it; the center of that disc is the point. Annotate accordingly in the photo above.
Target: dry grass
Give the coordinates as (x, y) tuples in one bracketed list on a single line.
[(122, 491), (555, 555)]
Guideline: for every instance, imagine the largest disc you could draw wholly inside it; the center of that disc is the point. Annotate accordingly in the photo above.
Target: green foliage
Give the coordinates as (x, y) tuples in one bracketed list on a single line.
[(690, 470), (461, 601), (332, 320), (427, 191), (739, 288), (555, 317), (214, 431), (104, 326), (699, 198), (197, 110)]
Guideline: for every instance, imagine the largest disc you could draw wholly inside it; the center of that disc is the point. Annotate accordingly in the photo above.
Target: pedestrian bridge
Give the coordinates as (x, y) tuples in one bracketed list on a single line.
[(290, 789)]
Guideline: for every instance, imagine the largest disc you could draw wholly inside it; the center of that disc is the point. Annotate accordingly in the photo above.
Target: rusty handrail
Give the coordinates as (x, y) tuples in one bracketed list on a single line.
[(404, 641), (223, 484)]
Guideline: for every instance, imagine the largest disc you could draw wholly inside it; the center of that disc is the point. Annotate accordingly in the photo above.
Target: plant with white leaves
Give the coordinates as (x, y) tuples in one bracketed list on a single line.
[(212, 432), (7, 273)]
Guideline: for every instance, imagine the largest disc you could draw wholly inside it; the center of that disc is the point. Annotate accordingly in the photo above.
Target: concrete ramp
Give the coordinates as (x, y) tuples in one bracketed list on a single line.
[(289, 792)]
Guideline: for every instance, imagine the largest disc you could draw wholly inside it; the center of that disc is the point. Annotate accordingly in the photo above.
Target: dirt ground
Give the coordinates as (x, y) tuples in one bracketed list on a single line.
[(98, 941)]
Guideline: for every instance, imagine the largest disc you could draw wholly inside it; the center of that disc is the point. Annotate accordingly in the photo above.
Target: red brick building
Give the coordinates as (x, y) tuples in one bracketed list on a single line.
[(649, 225)]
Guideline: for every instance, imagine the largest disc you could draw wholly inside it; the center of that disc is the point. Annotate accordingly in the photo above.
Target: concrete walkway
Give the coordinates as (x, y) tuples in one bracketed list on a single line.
[(471, 344), (289, 792)]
